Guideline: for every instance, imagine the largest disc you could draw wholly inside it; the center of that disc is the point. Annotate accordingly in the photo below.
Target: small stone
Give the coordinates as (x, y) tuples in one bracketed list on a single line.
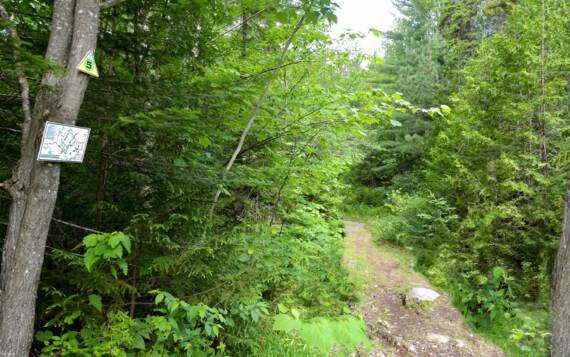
[(441, 339), (421, 294), (460, 343), (377, 353)]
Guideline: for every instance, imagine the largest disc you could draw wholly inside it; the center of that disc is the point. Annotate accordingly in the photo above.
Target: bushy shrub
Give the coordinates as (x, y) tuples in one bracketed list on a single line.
[(420, 222), (491, 299), (297, 262)]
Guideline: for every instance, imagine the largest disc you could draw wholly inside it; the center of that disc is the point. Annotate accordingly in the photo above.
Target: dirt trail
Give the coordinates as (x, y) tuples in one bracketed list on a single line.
[(437, 331)]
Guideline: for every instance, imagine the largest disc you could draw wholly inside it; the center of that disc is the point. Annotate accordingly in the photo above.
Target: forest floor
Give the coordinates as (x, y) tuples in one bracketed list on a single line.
[(387, 273)]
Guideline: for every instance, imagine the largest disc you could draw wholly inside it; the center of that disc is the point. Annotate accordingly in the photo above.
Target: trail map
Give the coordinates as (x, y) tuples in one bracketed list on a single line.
[(64, 143)]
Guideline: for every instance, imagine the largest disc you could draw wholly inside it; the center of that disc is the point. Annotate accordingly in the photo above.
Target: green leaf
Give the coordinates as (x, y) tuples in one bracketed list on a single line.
[(397, 96), (394, 122), (285, 323), (91, 240), (114, 272), (69, 319), (44, 336), (138, 342), (126, 242), (295, 313), (116, 252), (124, 266), (173, 323), (202, 311), (95, 301), (90, 259), (375, 32), (158, 299), (115, 239), (204, 141)]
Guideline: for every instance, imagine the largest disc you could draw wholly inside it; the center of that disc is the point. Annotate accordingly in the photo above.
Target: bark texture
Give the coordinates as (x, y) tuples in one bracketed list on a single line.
[(34, 184), (561, 282)]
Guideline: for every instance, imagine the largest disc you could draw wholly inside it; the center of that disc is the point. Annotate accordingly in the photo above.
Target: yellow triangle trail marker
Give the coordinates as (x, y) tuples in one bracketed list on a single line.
[(87, 65)]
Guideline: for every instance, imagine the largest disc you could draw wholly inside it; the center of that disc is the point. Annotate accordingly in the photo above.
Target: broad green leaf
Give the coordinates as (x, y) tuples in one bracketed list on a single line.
[(394, 122), (158, 299), (91, 240), (90, 260), (138, 342), (95, 301), (126, 242), (123, 265), (115, 239)]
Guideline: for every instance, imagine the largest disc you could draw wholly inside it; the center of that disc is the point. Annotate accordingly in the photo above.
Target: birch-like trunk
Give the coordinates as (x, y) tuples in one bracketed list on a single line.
[(33, 186), (561, 281)]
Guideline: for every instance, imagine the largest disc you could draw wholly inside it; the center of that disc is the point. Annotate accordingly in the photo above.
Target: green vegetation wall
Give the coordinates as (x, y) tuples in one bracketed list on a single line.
[(477, 194), (138, 260)]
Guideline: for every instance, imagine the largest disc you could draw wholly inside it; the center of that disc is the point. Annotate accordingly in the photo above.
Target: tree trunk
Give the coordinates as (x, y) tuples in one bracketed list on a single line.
[(561, 282), (34, 184)]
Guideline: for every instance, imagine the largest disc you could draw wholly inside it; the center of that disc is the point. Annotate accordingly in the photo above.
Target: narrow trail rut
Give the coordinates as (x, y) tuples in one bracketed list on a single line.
[(437, 331)]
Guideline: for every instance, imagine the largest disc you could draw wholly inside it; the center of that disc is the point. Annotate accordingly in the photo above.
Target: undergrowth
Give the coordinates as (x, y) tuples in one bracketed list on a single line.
[(426, 227), (285, 293)]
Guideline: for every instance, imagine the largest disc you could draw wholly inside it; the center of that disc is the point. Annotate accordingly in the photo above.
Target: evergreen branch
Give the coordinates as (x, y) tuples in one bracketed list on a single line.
[(22, 80)]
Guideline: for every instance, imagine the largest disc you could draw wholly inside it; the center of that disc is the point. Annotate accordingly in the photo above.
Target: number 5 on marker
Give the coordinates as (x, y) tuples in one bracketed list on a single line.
[(88, 66)]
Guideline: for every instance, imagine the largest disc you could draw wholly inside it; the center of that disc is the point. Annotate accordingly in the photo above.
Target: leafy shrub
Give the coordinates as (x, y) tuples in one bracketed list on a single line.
[(177, 328), (529, 338), (367, 196), (257, 266), (107, 249), (345, 333), (421, 223), (493, 297)]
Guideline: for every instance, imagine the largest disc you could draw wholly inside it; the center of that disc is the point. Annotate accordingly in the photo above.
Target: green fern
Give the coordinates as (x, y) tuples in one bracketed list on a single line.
[(346, 333)]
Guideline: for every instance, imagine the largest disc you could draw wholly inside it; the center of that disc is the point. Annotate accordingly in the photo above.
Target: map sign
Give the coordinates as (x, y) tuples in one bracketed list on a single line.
[(63, 143)]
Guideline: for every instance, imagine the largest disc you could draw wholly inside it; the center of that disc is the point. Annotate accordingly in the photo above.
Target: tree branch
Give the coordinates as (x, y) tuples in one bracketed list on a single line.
[(8, 187), (90, 230), (247, 76), (11, 130), (260, 102), (240, 24)]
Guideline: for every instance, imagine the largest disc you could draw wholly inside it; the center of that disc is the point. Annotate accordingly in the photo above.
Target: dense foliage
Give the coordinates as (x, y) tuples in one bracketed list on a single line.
[(139, 262), (477, 195), (164, 243)]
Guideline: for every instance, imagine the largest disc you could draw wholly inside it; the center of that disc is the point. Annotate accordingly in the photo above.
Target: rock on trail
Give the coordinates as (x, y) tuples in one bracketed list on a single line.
[(400, 328), (421, 294)]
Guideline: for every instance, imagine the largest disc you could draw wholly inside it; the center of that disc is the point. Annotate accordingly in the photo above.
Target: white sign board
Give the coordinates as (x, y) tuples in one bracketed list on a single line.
[(63, 143)]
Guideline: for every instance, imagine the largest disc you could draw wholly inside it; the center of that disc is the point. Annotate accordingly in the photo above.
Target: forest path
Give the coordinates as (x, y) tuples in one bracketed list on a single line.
[(437, 330)]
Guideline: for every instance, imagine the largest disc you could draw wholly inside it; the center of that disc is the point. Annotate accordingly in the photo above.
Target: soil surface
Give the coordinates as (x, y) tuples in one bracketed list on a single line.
[(436, 329)]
